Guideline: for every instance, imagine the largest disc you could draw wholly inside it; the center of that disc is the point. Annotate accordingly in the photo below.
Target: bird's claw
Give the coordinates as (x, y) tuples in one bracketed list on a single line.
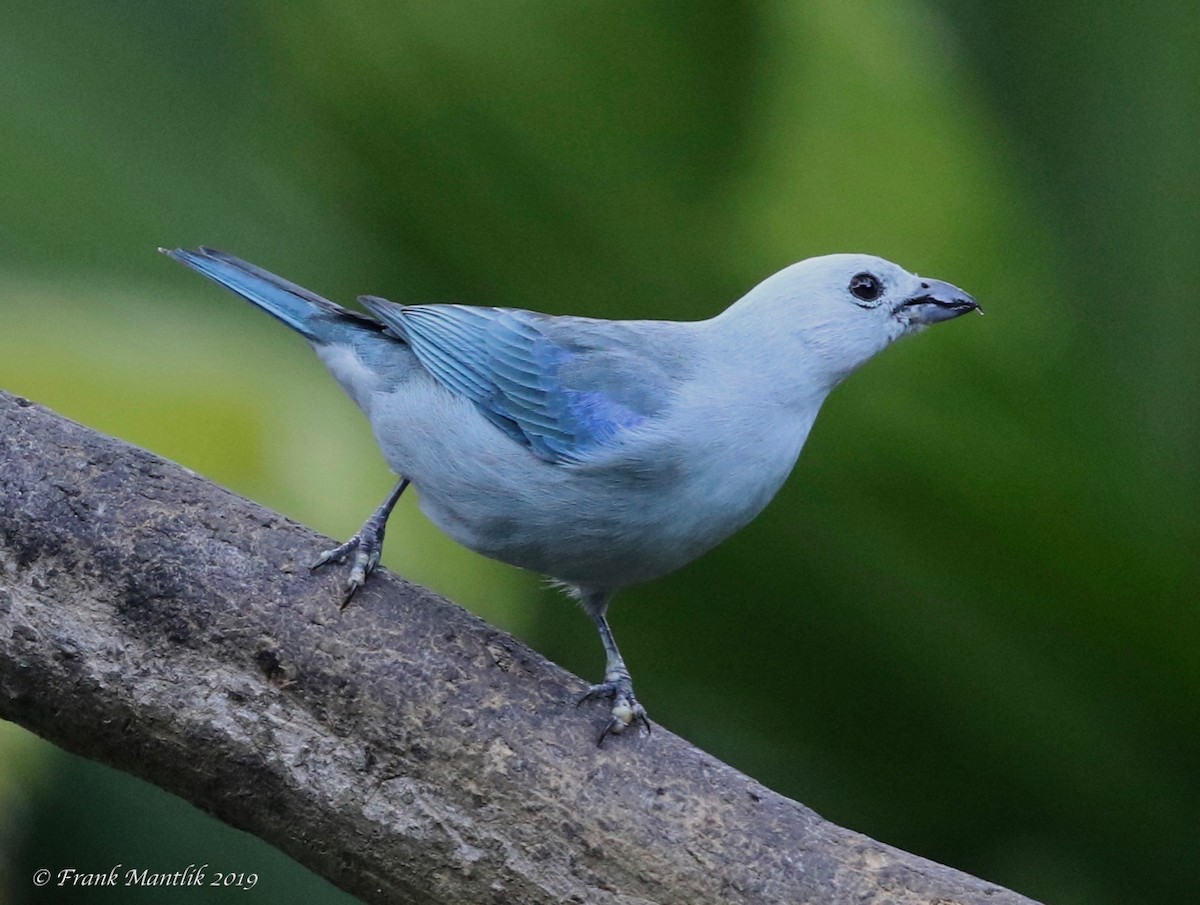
[(626, 711), (366, 547)]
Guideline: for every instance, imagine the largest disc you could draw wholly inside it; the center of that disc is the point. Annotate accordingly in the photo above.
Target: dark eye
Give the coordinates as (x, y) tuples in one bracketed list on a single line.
[(866, 287)]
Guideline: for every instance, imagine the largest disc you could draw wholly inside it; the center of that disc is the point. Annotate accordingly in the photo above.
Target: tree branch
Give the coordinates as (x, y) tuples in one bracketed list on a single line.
[(401, 747)]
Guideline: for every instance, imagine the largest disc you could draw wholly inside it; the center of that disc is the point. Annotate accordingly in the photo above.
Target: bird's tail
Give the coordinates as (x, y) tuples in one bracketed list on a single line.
[(316, 318)]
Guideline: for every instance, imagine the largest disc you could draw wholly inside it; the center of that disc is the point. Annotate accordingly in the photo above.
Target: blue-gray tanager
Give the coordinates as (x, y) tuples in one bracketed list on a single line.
[(599, 453)]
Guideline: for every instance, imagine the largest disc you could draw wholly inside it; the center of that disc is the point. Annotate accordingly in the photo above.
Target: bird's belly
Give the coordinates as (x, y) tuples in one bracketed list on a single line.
[(592, 530), (585, 546)]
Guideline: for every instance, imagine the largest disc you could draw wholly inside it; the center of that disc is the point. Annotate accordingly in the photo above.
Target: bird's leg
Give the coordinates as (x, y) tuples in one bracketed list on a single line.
[(617, 685), (366, 545)]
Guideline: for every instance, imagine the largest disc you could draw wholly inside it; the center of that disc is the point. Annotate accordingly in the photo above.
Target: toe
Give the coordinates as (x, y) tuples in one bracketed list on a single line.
[(352, 587), (626, 711), (639, 716), (624, 715), (623, 712), (338, 554), (612, 727), (603, 690)]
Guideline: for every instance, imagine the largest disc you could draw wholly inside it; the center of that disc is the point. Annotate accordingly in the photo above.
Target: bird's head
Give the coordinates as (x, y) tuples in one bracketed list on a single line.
[(837, 311)]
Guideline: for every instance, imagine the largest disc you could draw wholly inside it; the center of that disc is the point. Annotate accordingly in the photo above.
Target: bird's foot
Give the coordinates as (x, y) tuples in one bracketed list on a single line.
[(366, 546), (626, 711)]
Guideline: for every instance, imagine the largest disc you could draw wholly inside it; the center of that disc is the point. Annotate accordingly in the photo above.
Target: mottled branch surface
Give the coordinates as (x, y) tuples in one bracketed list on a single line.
[(401, 747)]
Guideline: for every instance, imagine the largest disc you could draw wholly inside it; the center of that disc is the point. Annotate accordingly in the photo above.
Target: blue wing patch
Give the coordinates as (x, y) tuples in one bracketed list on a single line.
[(531, 387)]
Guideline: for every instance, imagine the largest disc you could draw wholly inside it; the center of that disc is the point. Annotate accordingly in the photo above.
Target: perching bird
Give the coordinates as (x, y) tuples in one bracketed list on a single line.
[(600, 453)]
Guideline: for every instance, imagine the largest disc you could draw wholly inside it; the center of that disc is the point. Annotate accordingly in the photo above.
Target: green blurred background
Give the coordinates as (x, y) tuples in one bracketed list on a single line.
[(968, 625)]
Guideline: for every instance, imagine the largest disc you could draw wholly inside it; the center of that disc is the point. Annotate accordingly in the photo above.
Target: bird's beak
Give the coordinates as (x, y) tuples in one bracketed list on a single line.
[(936, 301)]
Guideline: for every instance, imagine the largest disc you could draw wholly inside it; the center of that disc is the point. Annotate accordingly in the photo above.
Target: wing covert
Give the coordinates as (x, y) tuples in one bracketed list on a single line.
[(523, 381)]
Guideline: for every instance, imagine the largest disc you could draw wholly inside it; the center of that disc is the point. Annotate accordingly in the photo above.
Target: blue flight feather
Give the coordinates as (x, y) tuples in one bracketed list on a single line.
[(503, 361)]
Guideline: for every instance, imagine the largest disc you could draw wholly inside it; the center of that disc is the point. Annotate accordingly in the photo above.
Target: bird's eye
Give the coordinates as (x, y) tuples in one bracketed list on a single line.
[(866, 287)]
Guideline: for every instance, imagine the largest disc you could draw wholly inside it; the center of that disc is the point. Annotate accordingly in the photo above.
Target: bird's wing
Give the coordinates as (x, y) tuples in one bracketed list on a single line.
[(566, 397)]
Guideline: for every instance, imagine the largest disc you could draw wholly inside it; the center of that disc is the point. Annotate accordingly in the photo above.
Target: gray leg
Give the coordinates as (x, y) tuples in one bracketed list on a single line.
[(617, 685), (366, 545)]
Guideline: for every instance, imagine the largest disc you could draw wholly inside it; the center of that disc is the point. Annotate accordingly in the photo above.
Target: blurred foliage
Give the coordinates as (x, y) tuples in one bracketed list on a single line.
[(968, 625)]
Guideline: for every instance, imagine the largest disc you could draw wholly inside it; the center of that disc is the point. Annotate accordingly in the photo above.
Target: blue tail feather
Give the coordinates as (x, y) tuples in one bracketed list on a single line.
[(307, 313)]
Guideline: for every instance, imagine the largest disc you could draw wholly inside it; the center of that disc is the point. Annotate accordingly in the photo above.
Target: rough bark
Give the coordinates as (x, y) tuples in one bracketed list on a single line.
[(401, 747)]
